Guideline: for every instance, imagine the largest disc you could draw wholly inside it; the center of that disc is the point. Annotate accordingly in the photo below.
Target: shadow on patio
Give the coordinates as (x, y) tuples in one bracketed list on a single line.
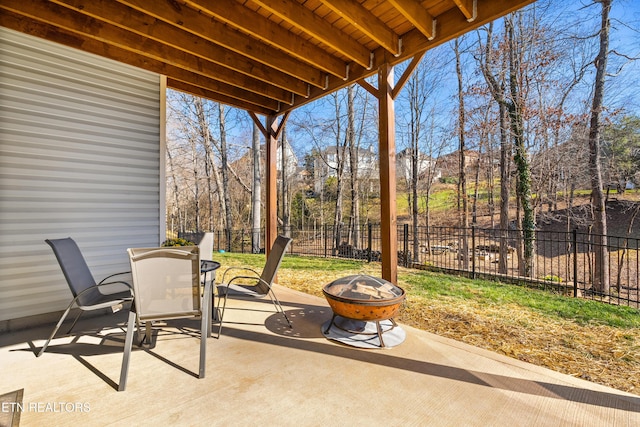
[(261, 371)]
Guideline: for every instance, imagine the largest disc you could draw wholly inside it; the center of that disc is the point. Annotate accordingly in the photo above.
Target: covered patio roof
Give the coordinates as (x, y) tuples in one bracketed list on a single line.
[(267, 56), (263, 56)]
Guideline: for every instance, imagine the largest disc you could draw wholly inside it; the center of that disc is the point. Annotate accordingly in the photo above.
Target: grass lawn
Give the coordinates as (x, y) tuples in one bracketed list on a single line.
[(587, 339)]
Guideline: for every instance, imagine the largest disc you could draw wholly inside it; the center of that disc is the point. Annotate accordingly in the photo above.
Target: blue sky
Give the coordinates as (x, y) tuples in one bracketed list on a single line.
[(623, 90)]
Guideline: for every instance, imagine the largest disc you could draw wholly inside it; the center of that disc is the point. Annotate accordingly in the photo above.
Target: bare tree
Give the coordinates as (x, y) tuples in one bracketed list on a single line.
[(211, 169), (225, 173), (463, 202), (354, 153), (423, 148), (285, 180), (515, 107), (601, 271), (256, 190), (496, 85)]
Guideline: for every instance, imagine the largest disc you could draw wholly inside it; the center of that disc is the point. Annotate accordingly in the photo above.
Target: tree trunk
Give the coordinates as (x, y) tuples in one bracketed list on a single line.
[(225, 174), (176, 192), (354, 217), (601, 270), (256, 190), (286, 202), (463, 205), (340, 165), (415, 110), (498, 92), (505, 184), (520, 156)]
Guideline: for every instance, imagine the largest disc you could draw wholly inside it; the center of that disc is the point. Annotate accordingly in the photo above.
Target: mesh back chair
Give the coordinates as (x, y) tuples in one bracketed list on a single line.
[(87, 294), (207, 266), (260, 283), (206, 246), (166, 285)]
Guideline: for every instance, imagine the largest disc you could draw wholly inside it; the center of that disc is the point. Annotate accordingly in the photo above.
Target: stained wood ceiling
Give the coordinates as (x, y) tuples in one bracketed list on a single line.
[(264, 56)]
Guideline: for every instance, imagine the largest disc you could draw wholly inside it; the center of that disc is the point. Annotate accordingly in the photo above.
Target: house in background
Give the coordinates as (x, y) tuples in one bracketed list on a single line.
[(426, 166), (450, 163), (325, 166)]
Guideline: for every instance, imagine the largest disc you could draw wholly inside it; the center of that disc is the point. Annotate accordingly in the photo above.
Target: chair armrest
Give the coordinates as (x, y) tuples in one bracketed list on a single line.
[(224, 276), (113, 275), (258, 279), (103, 282), (90, 288), (240, 277)]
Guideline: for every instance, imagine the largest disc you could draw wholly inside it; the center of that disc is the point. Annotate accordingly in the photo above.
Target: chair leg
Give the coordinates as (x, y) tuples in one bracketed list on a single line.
[(276, 303), (128, 341), (148, 333), (205, 328), (46, 344), (75, 321), (138, 328), (224, 305)]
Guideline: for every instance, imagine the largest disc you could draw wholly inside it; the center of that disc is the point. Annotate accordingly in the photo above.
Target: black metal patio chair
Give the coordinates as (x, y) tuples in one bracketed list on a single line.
[(260, 284), (87, 294)]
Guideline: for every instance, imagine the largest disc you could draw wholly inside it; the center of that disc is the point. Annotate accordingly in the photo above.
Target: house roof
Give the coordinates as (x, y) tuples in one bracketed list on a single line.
[(264, 56)]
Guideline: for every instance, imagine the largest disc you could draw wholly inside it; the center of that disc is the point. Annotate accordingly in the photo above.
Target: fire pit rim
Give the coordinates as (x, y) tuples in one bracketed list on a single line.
[(365, 301)]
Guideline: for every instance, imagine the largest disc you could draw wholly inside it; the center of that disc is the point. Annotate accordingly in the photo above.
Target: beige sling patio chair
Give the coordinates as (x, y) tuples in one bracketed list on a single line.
[(167, 285), (260, 284)]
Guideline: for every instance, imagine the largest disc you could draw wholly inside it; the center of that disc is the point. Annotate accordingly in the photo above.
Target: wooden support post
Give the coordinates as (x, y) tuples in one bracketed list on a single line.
[(271, 177), (271, 132), (387, 129), (386, 92)]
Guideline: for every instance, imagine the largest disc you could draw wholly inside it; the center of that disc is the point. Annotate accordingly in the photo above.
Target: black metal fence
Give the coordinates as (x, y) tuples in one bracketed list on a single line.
[(563, 262)]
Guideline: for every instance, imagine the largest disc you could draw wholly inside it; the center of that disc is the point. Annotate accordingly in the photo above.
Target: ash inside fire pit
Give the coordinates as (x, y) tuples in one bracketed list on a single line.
[(363, 299)]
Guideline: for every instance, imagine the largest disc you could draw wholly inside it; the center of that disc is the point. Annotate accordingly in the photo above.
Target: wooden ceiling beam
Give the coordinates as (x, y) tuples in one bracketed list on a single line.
[(216, 96), (413, 11), (149, 27), (39, 29), (201, 26), (237, 16), (469, 8), (451, 24), (64, 18), (359, 17), (305, 20)]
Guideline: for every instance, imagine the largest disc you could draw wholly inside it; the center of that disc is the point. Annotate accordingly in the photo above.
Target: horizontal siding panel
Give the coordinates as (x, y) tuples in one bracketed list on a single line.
[(79, 157), (56, 121), (59, 63), (111, 143)]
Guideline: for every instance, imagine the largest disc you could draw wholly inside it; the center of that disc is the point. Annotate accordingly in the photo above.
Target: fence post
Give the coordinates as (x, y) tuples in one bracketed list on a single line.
[(473, 251), (574, 242), (325, 240), (242, 240), (369, 227), (406, 244)]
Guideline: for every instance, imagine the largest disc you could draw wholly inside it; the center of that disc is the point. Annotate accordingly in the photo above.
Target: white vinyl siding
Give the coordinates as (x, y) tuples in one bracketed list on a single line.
[(80, 143)]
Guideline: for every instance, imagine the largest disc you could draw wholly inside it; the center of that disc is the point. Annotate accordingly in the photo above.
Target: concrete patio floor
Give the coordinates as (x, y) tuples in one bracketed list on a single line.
[(261, 372)]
